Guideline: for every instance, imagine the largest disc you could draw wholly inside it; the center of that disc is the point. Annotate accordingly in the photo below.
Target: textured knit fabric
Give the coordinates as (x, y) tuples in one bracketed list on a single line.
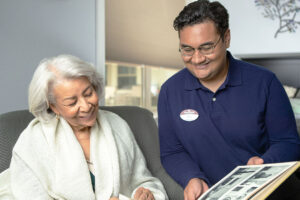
[(5, 193), (48, 162), (205, 134)]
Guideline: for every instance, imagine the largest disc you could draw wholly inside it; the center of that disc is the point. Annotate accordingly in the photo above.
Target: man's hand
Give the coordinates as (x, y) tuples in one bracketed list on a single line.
[(143, 194), (194, 189), (255, 160)]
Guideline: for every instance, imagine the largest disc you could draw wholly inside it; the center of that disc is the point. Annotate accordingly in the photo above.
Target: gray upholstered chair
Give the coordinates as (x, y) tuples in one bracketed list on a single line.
[(140, 121)]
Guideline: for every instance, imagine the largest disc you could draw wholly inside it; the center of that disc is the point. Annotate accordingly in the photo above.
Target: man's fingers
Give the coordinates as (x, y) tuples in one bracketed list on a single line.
[(189, 196), (258, 161), (205, 187), (255, 160)]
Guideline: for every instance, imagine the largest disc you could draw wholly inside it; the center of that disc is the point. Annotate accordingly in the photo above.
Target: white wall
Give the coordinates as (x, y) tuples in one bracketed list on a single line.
[(100, 40), (31, 30), (253, 35)]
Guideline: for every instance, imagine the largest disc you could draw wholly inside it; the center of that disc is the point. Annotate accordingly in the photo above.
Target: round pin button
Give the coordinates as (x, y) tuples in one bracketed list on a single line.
[(214, 99), (189, 115)]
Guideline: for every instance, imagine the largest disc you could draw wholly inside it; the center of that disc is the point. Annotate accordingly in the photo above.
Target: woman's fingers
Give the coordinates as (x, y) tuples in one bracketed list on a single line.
[(143, 194)]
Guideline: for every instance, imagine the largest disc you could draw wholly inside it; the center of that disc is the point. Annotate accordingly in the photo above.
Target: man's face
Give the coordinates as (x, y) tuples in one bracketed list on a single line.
[(205, 67)]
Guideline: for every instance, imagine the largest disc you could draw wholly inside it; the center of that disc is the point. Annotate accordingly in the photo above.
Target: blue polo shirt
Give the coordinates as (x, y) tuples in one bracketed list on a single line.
[(204, 134)]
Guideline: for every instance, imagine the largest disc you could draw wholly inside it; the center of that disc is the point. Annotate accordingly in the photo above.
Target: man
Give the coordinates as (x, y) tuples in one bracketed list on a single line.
[(219, 112)]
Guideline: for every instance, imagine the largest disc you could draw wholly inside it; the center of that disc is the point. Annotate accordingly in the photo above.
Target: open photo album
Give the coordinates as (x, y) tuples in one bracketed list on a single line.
[(255, 182)]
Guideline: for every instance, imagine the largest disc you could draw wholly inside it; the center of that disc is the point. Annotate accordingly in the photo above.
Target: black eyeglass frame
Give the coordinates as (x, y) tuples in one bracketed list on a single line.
[(204, 50)]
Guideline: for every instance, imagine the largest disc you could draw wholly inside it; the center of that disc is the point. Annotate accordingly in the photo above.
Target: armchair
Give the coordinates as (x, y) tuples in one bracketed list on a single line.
[(140, 121)]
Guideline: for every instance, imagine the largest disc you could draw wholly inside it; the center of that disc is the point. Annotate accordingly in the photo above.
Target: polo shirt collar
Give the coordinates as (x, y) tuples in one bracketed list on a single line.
[(191, 82), (234, 76)]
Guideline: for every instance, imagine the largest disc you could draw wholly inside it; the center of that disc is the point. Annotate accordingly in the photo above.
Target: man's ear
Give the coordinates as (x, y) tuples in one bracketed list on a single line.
[(227, 38)]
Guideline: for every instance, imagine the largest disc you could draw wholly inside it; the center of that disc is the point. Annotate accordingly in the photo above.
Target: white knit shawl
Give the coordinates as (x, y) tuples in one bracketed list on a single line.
[(48, 162)]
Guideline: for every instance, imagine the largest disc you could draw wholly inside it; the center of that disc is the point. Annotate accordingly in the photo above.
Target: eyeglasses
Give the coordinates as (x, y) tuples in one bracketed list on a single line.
[(204, 50)]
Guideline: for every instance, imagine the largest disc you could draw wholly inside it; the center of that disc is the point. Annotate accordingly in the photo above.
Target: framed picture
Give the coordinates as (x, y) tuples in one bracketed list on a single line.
[(264, 28)]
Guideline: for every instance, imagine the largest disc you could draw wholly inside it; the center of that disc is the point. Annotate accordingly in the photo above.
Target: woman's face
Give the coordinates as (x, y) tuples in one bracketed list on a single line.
[(76, 102)]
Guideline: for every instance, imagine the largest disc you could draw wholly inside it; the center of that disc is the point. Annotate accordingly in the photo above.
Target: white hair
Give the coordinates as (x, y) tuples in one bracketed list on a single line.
[(51, 70)]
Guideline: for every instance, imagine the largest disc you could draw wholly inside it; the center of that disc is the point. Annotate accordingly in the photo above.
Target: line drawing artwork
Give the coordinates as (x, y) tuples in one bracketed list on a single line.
[(285, 11)]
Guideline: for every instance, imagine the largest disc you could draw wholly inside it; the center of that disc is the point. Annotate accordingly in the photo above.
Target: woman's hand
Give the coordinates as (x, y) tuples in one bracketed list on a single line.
[(114, 198), (143, 194)]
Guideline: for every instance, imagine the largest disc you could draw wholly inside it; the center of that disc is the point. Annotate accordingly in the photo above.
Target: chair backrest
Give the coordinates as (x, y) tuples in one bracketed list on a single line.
[(139, 119), (11, 125)]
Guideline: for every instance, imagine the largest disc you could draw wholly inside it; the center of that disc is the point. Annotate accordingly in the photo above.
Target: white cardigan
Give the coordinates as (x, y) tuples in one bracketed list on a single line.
[(48, 162)]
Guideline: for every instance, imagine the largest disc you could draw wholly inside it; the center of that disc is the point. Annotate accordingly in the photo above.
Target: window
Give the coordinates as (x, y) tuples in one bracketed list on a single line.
[(126, 77), (136, 85)]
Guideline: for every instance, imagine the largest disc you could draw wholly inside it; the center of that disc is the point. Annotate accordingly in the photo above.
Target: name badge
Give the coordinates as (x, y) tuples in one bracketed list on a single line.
[(189, 115)]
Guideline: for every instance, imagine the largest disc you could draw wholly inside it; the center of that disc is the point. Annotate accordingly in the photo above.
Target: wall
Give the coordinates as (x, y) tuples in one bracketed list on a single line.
[(255, 34), (287, 69), (31, 30)]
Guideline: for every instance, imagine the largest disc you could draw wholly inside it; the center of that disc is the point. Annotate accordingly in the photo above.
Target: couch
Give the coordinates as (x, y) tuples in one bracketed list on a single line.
[(140, 121)]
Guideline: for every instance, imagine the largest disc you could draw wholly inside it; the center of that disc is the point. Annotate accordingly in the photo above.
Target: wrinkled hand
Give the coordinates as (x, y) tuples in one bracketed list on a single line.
[(114, 198), (255, 160), (143, 194), (194, 189)]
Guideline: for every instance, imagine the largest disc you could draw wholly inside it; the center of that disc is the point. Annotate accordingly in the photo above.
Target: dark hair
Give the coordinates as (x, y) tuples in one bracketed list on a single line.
[(201, 11)]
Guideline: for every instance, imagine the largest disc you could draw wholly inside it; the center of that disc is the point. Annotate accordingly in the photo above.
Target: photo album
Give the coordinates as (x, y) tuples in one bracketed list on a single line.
[(255, 182)]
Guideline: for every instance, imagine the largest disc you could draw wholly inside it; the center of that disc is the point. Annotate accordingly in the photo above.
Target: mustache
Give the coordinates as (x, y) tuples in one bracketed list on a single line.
[(202, 63)]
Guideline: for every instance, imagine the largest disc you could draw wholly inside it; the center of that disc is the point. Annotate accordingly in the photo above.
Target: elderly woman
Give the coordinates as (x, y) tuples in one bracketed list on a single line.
[(73, 150)]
